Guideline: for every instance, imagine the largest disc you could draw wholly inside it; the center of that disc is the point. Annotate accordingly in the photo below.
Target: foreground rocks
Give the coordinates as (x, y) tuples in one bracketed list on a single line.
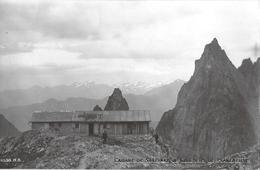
[(49, 149), (246, 160), (52, 150)]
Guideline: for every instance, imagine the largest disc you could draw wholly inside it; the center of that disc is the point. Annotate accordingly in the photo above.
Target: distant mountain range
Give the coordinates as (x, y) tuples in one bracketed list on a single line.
[(6, 128), (156, 100), (37, 94)]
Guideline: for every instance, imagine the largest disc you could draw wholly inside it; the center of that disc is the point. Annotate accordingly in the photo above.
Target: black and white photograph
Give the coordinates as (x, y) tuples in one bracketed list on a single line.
[(130, 84)]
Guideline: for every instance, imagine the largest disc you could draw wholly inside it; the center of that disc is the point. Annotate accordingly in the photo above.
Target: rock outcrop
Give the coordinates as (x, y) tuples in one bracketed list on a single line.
[(251, 73), (211, 119), (7, 128), (51, 150), (116, 101), (97, 108)]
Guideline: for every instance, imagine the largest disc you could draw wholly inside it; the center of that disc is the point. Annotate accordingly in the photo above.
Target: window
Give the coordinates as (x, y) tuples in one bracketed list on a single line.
[(76, 125), (59, 124)]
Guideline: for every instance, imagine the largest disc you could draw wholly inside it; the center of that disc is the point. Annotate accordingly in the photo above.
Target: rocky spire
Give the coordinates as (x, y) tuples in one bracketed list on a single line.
[(213, 57), (210, 119), (214, 64), (116, 101), (97, 108)]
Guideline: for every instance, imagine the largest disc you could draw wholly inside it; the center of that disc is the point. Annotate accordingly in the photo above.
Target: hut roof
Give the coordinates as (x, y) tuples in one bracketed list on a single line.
[(93, 116)]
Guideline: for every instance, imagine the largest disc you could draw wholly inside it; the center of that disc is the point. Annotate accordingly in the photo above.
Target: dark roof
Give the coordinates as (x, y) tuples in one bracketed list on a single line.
[(90, 116)]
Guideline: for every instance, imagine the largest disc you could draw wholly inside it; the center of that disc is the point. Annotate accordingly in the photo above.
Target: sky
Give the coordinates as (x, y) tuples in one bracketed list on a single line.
[(50, 43)]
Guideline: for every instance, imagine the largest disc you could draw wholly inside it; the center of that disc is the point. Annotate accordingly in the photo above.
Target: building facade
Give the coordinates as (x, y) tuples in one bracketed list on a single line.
[(94, 122)]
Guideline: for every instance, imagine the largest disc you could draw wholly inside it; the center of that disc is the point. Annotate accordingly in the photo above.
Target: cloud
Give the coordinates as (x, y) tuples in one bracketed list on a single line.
[(39, 21), (61, 20), (64, 41), (99, 70)]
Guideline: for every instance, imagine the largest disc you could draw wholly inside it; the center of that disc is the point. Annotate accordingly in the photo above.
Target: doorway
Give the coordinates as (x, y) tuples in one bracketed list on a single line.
[(91, 129), (129, 129)]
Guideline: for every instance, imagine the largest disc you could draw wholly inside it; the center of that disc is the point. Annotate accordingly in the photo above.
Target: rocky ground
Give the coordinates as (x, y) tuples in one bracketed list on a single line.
[(247, 160), (48, 149)]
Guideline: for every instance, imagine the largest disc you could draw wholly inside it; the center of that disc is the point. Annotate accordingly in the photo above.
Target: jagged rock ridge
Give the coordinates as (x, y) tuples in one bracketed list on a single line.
[(210, 119), (251, 73), (116, 101)]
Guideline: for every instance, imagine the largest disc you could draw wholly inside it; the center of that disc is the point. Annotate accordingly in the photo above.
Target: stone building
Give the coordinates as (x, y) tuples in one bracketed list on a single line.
[(94, 122)]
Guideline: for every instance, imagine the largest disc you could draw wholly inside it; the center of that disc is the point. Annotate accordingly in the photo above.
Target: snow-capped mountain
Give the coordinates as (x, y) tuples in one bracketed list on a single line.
[(138, 87), (87, 89), (87, 84)]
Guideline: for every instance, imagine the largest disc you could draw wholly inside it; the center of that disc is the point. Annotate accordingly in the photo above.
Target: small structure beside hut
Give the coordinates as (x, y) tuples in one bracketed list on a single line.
[(116, 122)]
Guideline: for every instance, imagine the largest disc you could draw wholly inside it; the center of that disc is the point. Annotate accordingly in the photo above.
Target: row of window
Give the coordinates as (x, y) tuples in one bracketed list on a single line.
[(52, 124), (130, 127)]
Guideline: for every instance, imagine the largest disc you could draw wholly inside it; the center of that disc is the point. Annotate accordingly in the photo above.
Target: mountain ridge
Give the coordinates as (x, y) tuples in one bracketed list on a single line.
[(20, 115), (37, 94), (211, 118)]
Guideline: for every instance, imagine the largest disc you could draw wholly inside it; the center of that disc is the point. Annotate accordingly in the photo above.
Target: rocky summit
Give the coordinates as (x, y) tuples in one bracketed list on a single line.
[(97, 108), (116, 101), (211, 118)]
